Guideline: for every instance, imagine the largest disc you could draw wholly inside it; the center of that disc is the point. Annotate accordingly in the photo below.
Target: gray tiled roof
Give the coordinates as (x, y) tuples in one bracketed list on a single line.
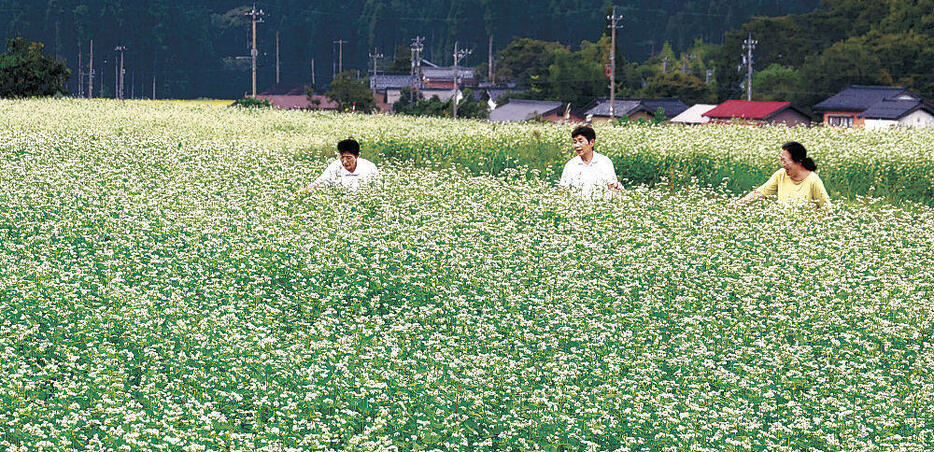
[(392, 81), (446, 73), (672, 107), (891, 109), (623, 107), (861, 97), (522, 110)]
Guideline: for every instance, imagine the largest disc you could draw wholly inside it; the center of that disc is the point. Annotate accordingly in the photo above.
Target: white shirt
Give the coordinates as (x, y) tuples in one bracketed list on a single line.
[(588, 177), (335, 175)]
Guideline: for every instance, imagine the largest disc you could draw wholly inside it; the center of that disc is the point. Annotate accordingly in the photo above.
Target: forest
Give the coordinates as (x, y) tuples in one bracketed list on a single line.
[(195, 49), (806, 49)]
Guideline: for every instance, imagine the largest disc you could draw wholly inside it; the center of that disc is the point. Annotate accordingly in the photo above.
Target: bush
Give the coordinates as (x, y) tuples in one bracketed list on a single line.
[(250, 102)]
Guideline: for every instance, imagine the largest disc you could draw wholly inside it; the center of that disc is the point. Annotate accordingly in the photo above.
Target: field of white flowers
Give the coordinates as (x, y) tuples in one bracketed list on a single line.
[(162, 286)]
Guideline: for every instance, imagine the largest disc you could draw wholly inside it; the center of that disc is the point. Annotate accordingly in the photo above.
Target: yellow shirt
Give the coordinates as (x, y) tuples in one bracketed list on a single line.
[(811, 189)]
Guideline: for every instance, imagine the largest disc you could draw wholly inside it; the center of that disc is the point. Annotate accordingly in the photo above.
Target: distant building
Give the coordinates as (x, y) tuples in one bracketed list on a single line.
[(389, 88), (292, 96), (524, 110), (694, 115), (875, 107), (443, 77), (634, 109), (751, 112)]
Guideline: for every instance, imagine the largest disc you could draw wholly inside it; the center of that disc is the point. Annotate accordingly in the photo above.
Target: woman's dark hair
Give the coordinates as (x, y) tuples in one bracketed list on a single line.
[(799, 155), (584, 131), (349, 146)]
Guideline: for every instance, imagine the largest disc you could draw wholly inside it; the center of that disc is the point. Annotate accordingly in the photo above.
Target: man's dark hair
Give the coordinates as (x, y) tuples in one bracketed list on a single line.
[(349, 146), (585, 131)]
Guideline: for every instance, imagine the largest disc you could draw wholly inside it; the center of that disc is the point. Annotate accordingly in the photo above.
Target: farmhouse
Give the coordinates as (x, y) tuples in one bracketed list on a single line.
[(753, 112), (634, 109), (292, 96), (865, 106)]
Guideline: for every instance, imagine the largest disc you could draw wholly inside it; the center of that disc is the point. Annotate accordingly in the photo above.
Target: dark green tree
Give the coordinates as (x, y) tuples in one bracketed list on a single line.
[(777, 83), (351, 93), (687, 87), (26, 72)]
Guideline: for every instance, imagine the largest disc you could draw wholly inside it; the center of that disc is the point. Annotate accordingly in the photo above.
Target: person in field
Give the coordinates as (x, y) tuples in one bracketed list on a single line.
[(795, 182), (589, 172), (350, 171)]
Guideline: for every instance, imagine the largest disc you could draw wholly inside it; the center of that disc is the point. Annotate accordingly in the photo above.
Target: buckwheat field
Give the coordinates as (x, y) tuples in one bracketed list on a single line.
[(163, 285)]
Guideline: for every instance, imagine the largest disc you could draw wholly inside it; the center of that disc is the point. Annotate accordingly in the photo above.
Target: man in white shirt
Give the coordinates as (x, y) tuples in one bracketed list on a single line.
[(590, 172), (349, 171)]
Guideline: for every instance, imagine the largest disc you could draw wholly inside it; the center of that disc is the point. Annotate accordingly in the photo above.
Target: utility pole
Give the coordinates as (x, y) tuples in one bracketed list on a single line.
[(489, 63), (154, 85), (277, 57), (375, 56), (458, 55), (80, 72), (614, 19), (684, 62), (340, 55), (91, 73), (418, 44), (665, 61), (313, 72), (256, 17), (749, 45), (133, 84), (119, 80)]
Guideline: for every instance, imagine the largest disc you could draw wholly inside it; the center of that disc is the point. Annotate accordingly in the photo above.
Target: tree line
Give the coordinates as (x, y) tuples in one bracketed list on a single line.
[(195, 49)]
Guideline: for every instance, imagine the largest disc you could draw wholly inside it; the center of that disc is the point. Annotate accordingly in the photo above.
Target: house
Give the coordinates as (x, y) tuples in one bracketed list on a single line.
[(388, 88), (634, 109), (291, 96), (844, 108), (898, 113), (443, 77), (875, 107), (694, 115), (524, 110), (752, 112)]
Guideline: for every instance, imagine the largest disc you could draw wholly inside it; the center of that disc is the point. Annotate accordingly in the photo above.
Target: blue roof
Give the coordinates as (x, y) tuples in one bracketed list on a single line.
[(673, 107), (391, 81), (523, 110), (892, 109), (861, 97)]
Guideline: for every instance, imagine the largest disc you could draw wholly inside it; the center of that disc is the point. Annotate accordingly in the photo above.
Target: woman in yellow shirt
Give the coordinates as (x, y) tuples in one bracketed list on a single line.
[(796, 182)]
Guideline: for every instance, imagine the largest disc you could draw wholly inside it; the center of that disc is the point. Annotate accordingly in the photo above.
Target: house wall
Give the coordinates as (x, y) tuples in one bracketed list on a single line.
[(287, 102), (872, 124), (849, 114), (790, 118), (919, 118)]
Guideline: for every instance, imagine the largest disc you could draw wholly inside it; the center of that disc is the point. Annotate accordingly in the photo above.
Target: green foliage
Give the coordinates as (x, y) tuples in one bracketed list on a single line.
[(351, 93), (777, 83), (686, 87), (26, 72), (250, 102), (525, 58), (467, 108)]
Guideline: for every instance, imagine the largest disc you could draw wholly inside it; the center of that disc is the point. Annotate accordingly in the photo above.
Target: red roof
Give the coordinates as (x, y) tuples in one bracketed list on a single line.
[(749, 109)]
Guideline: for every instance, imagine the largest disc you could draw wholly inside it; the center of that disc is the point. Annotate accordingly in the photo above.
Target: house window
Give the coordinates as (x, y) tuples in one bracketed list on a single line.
[(840, 121)]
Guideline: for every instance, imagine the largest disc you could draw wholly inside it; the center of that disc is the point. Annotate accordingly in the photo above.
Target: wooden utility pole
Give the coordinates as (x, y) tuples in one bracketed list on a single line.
[(153, 85), (340, 55), (256, 17), (489, 72), (313, 72), (613, 27), (119, 79), (458, 55), (80, 72), (91, 73), (277, 57)]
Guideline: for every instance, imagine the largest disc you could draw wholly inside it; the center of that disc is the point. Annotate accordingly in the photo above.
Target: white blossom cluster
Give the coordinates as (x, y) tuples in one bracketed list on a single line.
[(163, 286)]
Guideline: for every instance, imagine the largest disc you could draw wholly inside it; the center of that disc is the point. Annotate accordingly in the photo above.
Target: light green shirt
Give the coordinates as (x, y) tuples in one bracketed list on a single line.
[(811, 189)]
